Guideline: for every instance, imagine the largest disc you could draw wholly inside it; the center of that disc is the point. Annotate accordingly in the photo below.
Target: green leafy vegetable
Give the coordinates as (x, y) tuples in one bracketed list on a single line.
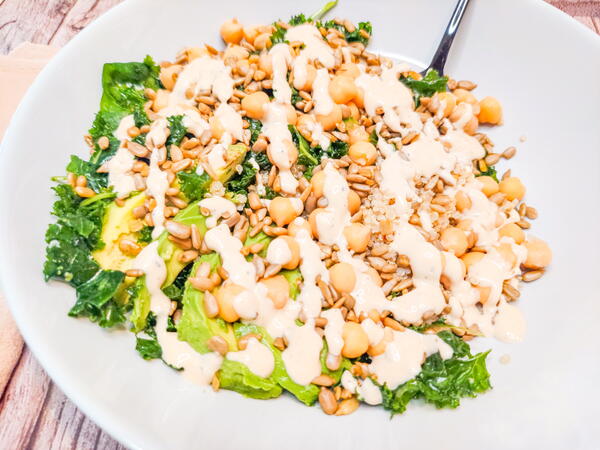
[(193, 185), (298, 19), (361, 33), (177, 130), (443, 382), (235, 376), (337, 149), (240, 182), (96, 181), (74, 235), (145, 234), (255, 129), (140, 297), (278, 36), (95, 299), (307, 156), (149, 348), (431, 83), (490, 172)]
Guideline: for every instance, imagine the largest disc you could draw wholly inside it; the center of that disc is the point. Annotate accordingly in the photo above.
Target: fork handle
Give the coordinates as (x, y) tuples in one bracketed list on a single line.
[(441, 54)]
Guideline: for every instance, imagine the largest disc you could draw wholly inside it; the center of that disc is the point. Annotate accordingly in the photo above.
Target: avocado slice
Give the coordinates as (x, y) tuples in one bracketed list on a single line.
[(234, 156), (116, 226)]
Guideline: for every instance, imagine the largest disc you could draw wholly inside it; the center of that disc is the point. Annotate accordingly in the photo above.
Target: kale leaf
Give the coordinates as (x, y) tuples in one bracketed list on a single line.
[(149, 348), (298, 19), (240, 182), (177, 130), (337, 149), (431, 83), (442, 382), (255, 129), (307, 156), (74, 235), (95, 299), (278, 36), (351, 36), (193, 185), (96, 181), (145, 234)]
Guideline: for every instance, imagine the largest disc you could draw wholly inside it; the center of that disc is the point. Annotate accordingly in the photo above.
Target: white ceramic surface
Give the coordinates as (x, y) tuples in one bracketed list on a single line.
[(546, 70)]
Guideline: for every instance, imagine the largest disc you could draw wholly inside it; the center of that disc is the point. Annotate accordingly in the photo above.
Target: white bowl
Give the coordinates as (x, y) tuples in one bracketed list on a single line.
[(542, 65)]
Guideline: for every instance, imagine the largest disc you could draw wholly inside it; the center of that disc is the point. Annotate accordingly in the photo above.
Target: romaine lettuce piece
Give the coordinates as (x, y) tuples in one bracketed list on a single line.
[(235, 376)]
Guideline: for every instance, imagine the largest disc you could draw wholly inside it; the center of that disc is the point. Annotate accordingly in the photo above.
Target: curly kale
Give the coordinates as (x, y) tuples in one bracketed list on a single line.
[(431, 83), (442, 382)]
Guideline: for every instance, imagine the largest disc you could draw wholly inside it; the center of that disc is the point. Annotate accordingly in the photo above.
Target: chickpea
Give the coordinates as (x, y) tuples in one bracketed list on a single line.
[(236, 52), (358, 236), (292, 116), (329, 121), (454, 240), (472, 258), (294, 250), (490, 186), (539, 254), (262, 41), (312, 220), (225, 296), (462, 95), (358, 134), (168, 76), (350, 70), (359, 99), (161, 100), (282, 211), (448, 100), (343, 277), (507, 254), (278, 290), (470, 127), (232, 31), (342, 89), (490, 111), (250, 33), (299, 224), (311, 74), (356, 341), (265, 63), (317, 183), (353, 202), (195, 52), (514, 231), (254, 104), (363, 153), (513, 188), (484, 293), (216, 127), (463, 202), (379, 348)]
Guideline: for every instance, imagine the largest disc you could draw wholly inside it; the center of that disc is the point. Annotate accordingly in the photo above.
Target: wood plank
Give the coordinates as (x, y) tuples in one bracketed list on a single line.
[(82, 13), (23, 400), (30, 20)]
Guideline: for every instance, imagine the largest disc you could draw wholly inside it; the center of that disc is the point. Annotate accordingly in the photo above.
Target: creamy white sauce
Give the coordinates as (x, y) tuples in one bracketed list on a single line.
[(279, 252), (201, 74), (466, 148), (281, 57), (257, 357), (302, 356), (392, 95), (125, 124), (231, 121), (217, 207), (315, 48), (331, 221), (374, 332), (509, 323), (120, 176), (157, 184), (241, 272), (323, 101), (404, 356), (311, 266), (333, 330), (366, 390), (275, 128), (428, 156), (426, 265), (197, 367), (192, 120)]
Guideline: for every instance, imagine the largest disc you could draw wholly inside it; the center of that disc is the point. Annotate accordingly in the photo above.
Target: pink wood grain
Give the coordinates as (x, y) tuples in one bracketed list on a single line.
[(34, 413)]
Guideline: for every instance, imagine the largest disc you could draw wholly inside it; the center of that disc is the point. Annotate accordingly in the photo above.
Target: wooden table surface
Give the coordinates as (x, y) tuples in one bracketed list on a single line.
[(34, 413)]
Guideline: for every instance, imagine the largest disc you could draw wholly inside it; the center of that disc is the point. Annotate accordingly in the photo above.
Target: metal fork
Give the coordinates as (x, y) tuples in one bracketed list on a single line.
[(441, 54)]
